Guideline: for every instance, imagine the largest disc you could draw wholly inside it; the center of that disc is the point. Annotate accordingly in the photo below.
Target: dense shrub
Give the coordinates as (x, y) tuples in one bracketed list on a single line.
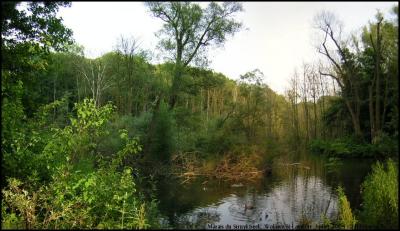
[(84, 191), (346, 218), (110, 143), (347, 147), (104, 199), (380, 196), (386, 146), (24, 151), (140, 124)]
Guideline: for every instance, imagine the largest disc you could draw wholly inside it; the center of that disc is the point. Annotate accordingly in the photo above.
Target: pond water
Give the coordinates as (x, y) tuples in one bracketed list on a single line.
[(301, 187)]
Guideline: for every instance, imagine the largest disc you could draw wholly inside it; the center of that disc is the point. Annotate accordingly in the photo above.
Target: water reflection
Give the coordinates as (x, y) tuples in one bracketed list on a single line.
[(285, 204), (292, 195), (199, 218)]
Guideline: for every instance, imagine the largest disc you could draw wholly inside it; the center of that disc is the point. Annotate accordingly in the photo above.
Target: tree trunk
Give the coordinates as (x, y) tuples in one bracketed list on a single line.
[(208, 103), (315, 117), (377, 86), (371, 113), (175, 86), (354, 119), (307, 117)]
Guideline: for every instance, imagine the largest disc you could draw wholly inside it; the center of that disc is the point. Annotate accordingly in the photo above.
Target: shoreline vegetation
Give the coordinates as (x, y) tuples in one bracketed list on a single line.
[(85, 141)]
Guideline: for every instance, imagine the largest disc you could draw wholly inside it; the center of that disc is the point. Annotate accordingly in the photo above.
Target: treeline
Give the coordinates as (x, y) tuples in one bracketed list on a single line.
[(347, 103), (246, 111)]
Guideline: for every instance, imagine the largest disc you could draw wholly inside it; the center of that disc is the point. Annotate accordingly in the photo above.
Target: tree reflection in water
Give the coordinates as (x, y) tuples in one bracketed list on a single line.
[(294, 195), (199, 219)]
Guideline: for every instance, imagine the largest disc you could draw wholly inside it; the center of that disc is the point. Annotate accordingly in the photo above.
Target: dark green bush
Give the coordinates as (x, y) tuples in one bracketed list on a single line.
[(349, 148), (386, 146), (162, 137)]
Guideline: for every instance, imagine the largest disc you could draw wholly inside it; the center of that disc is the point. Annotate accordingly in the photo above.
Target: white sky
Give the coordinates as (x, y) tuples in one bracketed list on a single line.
[(279, 36)]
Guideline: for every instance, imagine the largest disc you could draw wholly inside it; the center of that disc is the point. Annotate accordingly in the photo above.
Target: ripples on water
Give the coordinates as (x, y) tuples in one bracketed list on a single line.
[(291, 196), (285, 204)]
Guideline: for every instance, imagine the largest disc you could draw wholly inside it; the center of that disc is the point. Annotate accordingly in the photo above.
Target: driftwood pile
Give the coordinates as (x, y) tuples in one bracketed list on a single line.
[(230, 168), (237, 170)]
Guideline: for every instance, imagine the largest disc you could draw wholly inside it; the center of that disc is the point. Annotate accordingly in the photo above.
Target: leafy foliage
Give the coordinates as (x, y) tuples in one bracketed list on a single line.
[(346, 217), (347, 147), (79, 195), (102, 199), (380, 196), (189, 28)]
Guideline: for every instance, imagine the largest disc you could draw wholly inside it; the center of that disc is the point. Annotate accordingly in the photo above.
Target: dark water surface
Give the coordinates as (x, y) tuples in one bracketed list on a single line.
[(301, 187)]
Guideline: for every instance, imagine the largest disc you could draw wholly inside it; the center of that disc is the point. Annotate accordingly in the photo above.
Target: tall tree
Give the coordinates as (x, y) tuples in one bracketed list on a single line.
[(251, 89), (188, 30), (293, 96), (344, 69), (128, 48), (93, 72), (380, 41)]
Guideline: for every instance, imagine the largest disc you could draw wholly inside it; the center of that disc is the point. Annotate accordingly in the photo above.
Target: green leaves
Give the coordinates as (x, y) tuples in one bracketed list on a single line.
[(37, 22), (123, 134), (78, 196), (346, 218), (193, 28), (91, 117), (380, 196), (131, 147), (79, 200)]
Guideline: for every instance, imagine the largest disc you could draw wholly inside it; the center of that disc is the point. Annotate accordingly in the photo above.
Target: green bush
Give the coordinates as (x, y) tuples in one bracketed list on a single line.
[(111, 142), (380, 196), (141, 124), (24, 151), (343, 147), (346, 218), (137, 127), (79, 194), (386, 146), (318, 146), (10, 220), (104, 199)]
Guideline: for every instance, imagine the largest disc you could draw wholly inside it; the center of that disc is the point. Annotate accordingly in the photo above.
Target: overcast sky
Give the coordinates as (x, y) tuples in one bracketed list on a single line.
[(279, 37)]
